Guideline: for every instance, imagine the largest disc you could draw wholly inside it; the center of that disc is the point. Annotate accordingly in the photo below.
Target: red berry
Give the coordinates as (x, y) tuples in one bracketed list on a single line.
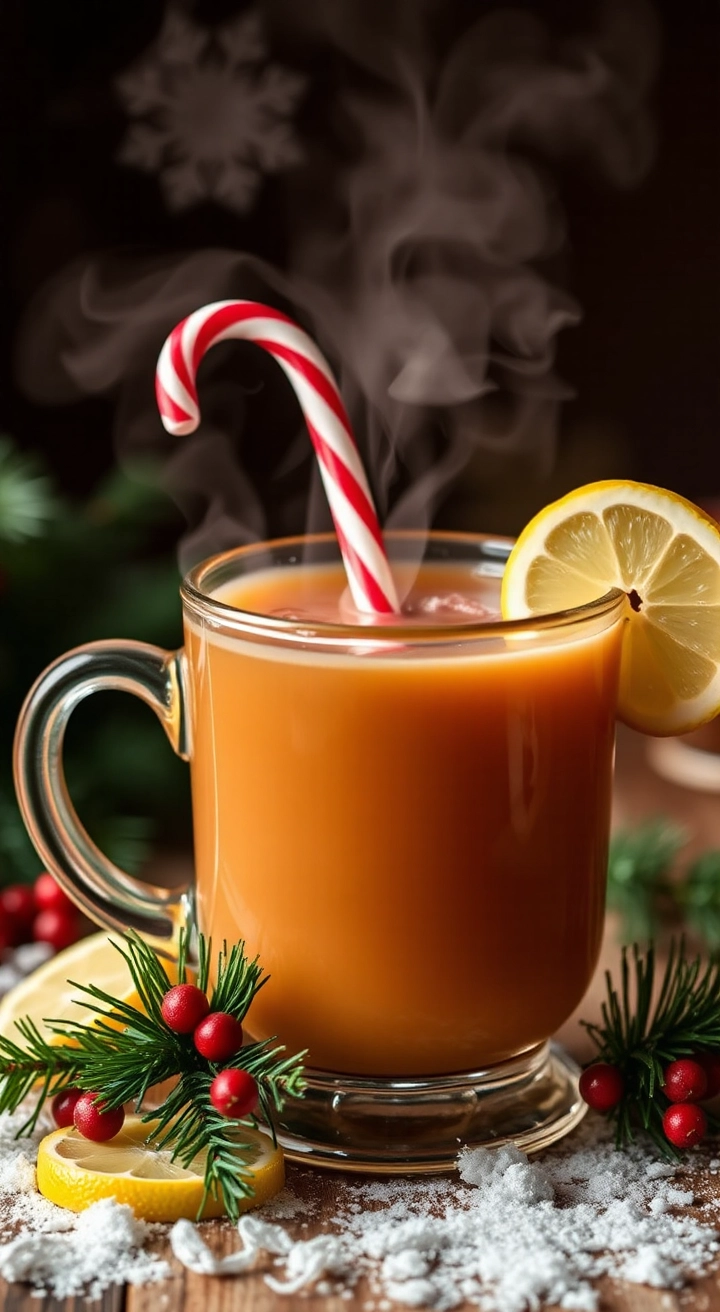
[(93, 1121), (601, 1086), (49, 896), (63, 1107), (18, 903), (58, 928), (684, 1124), (684, 1081), (234, 1093), (219, 1036), (710, 1062), (183, 1007)]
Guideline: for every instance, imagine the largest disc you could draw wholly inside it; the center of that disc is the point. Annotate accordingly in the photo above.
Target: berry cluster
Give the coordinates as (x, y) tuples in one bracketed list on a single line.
[(216, 1035), (40, 913), (686, 1083)]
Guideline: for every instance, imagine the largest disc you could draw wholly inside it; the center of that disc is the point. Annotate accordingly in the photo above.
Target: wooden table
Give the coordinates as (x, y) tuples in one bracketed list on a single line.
[(639, 794)]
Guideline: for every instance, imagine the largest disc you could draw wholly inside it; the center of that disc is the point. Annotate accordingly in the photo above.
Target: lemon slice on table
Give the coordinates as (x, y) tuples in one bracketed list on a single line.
[(46, 994), (664, 554), (74, 1172)]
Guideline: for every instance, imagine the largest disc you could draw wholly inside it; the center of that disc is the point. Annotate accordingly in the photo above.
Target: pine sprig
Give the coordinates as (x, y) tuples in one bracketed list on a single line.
[(644, 1029), (187, 1125), (698, 898), (24, 1067), (652, 890), (127, 1049), (640, 887), (27, 503)]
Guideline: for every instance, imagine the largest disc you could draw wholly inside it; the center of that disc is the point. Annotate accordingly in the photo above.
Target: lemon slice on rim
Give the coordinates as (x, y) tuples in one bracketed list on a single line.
[(74, 1172), (46, 994), (664, 554)]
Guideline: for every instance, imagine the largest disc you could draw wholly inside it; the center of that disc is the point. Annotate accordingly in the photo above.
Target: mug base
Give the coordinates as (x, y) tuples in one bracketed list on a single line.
[(418, 1125)]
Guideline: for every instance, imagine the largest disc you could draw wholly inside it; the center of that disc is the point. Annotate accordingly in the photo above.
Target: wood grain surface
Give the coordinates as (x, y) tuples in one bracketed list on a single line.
[(639, 794)]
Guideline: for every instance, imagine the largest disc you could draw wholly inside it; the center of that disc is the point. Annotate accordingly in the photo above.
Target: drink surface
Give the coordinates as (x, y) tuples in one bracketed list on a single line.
[(415, 849), (441, 594)]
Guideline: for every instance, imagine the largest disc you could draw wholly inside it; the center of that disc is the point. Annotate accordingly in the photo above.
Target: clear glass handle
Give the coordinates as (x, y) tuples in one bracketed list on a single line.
[(108, 895)]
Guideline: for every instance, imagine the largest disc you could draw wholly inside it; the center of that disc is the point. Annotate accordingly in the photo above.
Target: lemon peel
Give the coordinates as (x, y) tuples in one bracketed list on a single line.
[(663, 552), (74, 1172)]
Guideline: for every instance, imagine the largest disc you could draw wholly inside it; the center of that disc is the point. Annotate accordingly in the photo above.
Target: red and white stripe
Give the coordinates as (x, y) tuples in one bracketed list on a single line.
[(356, 523)]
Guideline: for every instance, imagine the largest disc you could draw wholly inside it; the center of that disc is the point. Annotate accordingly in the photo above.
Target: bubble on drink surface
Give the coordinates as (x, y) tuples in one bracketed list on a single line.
[(437, 608), (449, 608), (292, 613)]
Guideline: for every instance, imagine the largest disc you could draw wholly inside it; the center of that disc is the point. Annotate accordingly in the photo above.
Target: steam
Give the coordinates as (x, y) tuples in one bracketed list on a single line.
[(430, 272)]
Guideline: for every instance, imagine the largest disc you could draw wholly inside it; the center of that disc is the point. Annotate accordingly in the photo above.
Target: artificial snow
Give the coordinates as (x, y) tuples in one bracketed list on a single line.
[(20, 962), (507, 1234), (59, 1252), (512, 1235)]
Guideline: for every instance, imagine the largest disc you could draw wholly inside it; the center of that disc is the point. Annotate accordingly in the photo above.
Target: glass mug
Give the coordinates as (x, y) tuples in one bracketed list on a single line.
[(407, 822)]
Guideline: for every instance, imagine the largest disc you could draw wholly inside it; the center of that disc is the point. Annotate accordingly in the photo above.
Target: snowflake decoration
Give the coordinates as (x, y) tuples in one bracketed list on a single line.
[(211, 115)]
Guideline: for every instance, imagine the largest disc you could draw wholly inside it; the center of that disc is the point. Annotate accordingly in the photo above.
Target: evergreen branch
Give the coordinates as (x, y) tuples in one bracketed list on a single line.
[(27, 502), (125, 1050), (147, 972), (23, 1067), (182, 956), (698, 897), (649, 893), (639, 884), (188, 1133), (281, 1076), (237, 982), (640, 1037)]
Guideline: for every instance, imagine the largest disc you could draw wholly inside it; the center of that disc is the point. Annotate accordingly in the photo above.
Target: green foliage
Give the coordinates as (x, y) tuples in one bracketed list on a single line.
[(652, 893), (639, 887), (124, 1063), (27, 502), (698, 896), (641, 1037), (72, 572)]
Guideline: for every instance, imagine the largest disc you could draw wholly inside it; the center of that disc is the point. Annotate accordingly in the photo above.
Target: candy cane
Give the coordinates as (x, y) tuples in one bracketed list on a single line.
[(348, 493)]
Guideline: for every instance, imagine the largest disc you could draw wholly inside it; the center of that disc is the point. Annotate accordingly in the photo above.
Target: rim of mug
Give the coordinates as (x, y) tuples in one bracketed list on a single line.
[(205, 606)]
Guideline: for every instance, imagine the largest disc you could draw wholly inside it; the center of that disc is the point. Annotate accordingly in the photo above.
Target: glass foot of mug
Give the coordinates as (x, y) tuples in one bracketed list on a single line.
[(413, 1125)]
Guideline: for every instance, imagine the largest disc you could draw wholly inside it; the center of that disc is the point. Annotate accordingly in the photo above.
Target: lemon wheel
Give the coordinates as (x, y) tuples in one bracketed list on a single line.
[(47, 994), (74, 1172), (664, 554)]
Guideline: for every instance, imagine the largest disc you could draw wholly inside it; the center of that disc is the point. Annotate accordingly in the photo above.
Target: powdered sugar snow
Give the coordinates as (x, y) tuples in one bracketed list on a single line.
[(512, 1235), (55, 1250), (509, 1235)]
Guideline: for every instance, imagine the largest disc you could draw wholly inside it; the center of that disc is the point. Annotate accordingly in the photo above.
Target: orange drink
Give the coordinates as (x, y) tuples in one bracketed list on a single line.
[(406, 817), (407, 823)]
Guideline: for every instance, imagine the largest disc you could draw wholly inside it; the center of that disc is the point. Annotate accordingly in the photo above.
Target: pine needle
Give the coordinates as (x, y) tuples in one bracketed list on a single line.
[(641, 1037), (126, 1050)]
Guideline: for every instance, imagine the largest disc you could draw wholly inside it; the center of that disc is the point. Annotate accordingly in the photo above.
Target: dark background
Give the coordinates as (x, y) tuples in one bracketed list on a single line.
[(643, 263)]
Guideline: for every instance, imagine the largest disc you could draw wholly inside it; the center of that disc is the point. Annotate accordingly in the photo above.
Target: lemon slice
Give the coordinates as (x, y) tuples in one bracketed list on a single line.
[(664, 554), (74, 1172), (46, 994)]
